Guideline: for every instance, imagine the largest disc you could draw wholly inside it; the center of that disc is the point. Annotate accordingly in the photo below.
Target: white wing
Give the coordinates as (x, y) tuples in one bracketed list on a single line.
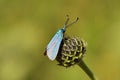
[(53, 46)]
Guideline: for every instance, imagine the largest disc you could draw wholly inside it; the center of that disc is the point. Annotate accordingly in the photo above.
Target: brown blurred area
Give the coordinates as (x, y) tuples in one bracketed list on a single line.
[(26, 27)]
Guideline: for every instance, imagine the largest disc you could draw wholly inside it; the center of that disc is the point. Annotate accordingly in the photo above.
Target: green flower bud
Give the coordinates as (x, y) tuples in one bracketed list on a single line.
[(71, 51)]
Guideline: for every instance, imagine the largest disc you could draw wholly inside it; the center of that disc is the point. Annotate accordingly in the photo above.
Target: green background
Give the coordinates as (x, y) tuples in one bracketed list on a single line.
[(26, 27)]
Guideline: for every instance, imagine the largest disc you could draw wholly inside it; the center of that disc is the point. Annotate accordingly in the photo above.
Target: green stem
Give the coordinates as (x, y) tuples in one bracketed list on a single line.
[(86, 69)]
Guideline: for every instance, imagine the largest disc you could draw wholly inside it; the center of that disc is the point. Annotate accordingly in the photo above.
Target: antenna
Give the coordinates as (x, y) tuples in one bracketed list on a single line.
[(72, 22), (66, 22)]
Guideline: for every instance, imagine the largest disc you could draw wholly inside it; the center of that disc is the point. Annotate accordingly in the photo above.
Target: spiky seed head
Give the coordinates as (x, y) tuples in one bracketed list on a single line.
[(71, 51)]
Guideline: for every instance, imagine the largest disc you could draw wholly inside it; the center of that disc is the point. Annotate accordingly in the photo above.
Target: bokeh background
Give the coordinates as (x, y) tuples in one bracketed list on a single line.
[(26, 27)]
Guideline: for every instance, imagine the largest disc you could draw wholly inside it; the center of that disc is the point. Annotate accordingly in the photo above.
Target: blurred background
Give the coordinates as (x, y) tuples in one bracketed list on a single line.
[(27, 26)]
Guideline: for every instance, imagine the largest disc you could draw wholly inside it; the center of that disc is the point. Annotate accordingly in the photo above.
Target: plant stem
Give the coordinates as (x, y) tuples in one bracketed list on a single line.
[(86, 69)]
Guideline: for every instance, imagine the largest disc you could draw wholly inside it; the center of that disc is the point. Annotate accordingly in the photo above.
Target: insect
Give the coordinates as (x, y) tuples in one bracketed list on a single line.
[(53, 46)]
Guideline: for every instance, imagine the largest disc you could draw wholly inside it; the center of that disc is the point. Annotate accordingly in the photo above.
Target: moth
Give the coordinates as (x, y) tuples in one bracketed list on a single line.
[(53, 47)]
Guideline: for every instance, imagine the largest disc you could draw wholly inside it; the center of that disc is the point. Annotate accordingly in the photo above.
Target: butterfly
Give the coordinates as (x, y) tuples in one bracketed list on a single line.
[(54, 45)]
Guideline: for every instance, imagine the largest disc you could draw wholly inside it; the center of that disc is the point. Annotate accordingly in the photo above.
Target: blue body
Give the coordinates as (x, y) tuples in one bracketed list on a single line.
[(54, 44)]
